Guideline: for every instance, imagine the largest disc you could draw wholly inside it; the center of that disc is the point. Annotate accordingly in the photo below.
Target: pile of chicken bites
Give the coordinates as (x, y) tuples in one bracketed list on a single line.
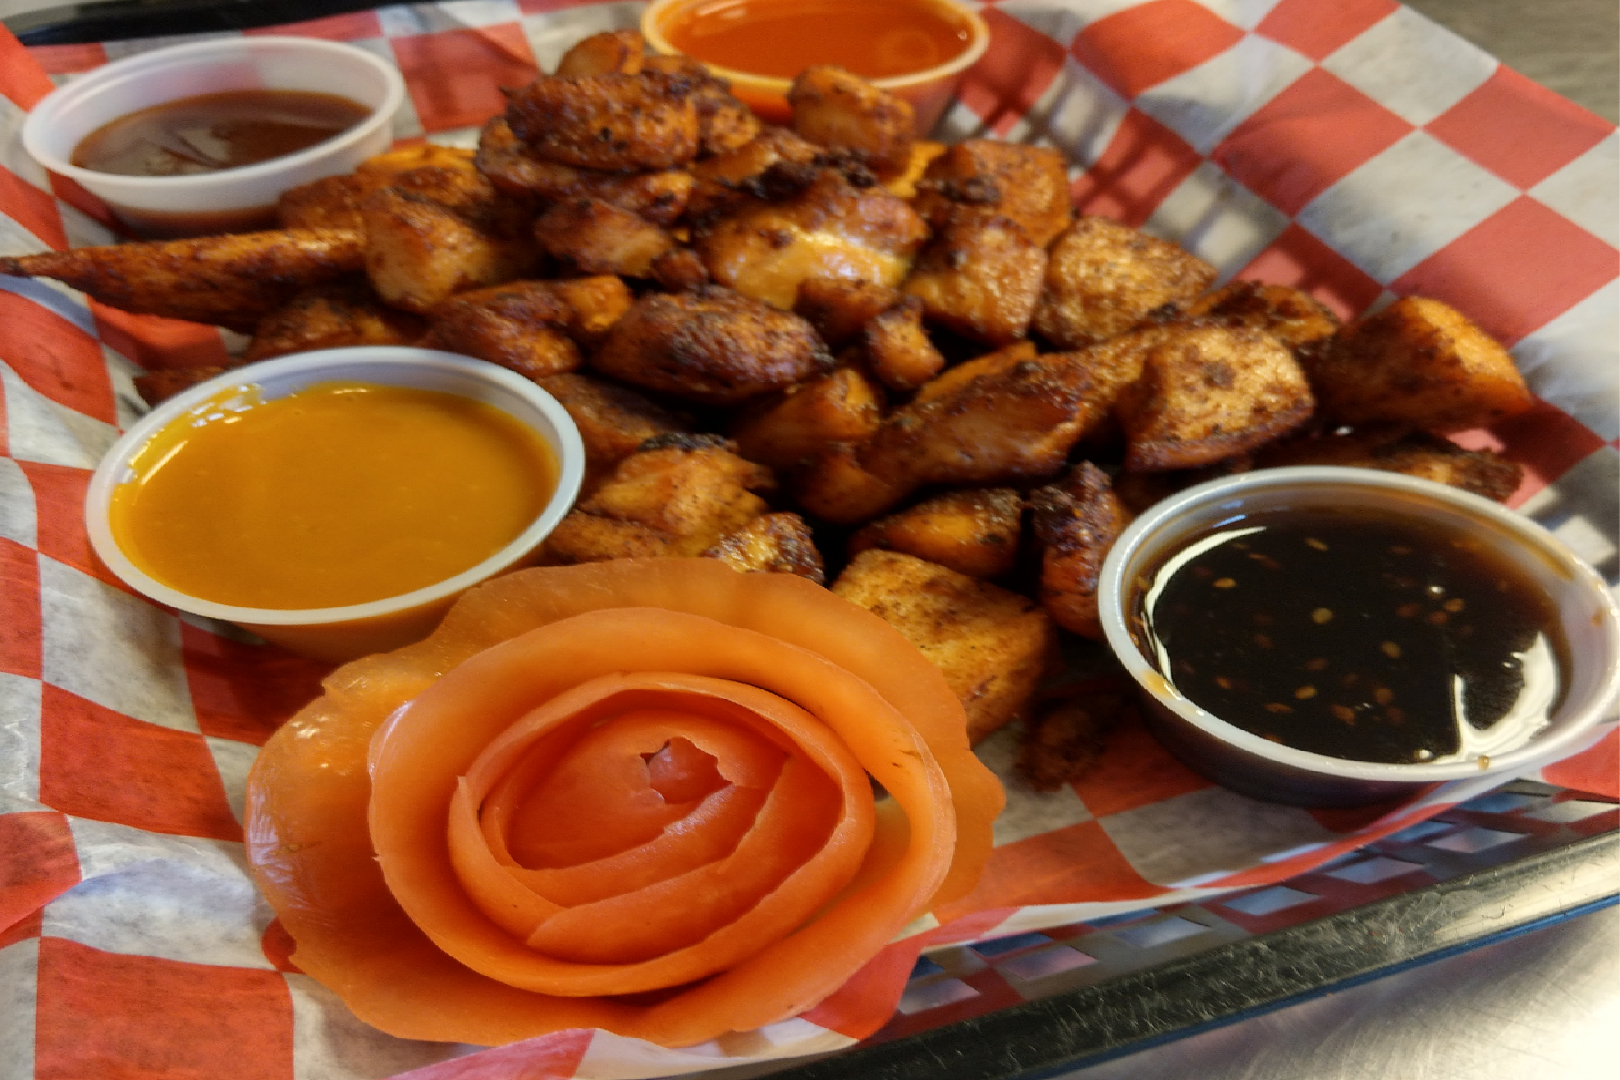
[(834, 347)]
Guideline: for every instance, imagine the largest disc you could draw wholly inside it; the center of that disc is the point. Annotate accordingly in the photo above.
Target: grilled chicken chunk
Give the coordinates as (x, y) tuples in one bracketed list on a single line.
[(591, 236), (1414, 453), (844, 112), (659, 196), (1027, 184), (613, 121), (613, 420), (1104, 278), (711, 346), (1076, 520), (979, 276), (612, 51), (1293, 317), (842, 407), (1208, 392), (834, 486), (1007, 415), (772, 544), (676, 495), (993, 645), (974, 531), (232, 280), (340, 313), (828, 228)]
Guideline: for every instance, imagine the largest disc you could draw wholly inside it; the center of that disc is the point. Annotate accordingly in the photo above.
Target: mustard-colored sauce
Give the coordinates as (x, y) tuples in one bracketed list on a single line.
[(340, 494)]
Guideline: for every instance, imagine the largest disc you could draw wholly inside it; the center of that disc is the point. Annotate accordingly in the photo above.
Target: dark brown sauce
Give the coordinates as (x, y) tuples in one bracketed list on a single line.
[(1356, 635), (212, 132)]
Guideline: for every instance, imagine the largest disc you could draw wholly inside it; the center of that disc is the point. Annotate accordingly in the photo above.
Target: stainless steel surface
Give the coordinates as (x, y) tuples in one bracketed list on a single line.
[(1542, 1006)]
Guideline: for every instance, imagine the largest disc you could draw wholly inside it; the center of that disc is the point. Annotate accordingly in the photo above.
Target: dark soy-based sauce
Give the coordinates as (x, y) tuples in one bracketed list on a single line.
[(1352, 634), (212, 132)]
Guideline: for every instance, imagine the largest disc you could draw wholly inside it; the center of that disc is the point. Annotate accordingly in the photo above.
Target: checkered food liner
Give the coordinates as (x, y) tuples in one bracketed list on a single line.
[(1353, 149)]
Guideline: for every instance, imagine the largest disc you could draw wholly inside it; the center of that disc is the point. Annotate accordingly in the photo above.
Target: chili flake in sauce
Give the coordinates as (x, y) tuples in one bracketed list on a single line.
[(1352, 634)]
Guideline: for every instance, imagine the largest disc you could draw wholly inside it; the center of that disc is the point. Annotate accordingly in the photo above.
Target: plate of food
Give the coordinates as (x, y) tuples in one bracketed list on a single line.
[(863, 409)]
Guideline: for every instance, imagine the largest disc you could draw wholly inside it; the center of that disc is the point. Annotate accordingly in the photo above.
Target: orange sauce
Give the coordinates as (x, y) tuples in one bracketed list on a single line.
[(340, 494), (212, 132), (872, 38)]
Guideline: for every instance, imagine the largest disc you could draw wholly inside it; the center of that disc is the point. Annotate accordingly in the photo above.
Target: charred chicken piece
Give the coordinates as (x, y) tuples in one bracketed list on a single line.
[(1293, 317), (1418, 363), (613, 420), (835, 487), (1027, 184), (840, 308), (659, 196), (844, 112), (610, 52), (841, 407), (232, 280), (826, 228), (612, 121), (1104, 278), (1009, 415), (974, 531), (590, 236), (772, 544), (676, 495), (898, 351), (1077, 521), (980, 276), (993, 645), (1209, 392), (340, 313), (710, 345)]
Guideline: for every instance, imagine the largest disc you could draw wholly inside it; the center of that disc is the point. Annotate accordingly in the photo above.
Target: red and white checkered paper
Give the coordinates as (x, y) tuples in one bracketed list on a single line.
[(1349, 147)]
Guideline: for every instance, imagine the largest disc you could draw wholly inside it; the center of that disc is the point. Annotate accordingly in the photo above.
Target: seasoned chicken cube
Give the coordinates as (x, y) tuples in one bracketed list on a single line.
[(710, 345), (645, 121), (994, 646), (677, 495), (1421, 363), (1028, 184), (843, 406), (834, 486), (841, 111), (343, 312), (899, 352), (974, 531), (1077, 521), (830, 228), (418, 251), (383, 169), (1103, 278), (1007, 415), (520, 325), (1414, 453), (840, 308), (1208, 392), (1293, 317), (589, 236), (613, 420), (981, 277), (772, 544), (591, 305), (735, 175), (232, 280), (659, 196), (724, 123), (679, 269), (611, 51)]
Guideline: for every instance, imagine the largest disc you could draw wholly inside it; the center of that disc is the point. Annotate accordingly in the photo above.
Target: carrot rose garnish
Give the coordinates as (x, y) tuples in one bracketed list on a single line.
[(633, 795)]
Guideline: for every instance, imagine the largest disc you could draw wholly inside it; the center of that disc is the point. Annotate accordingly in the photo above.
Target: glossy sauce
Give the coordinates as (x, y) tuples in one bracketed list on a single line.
[(340, 494), (870, 38), (1355, 635), (212, 132)]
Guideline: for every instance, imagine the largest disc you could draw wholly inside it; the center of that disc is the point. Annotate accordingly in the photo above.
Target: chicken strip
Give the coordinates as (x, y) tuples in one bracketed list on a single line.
[(231, 281)]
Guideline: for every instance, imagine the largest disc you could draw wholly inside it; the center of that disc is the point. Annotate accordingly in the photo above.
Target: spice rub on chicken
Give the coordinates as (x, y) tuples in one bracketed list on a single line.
[(832, 348)]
